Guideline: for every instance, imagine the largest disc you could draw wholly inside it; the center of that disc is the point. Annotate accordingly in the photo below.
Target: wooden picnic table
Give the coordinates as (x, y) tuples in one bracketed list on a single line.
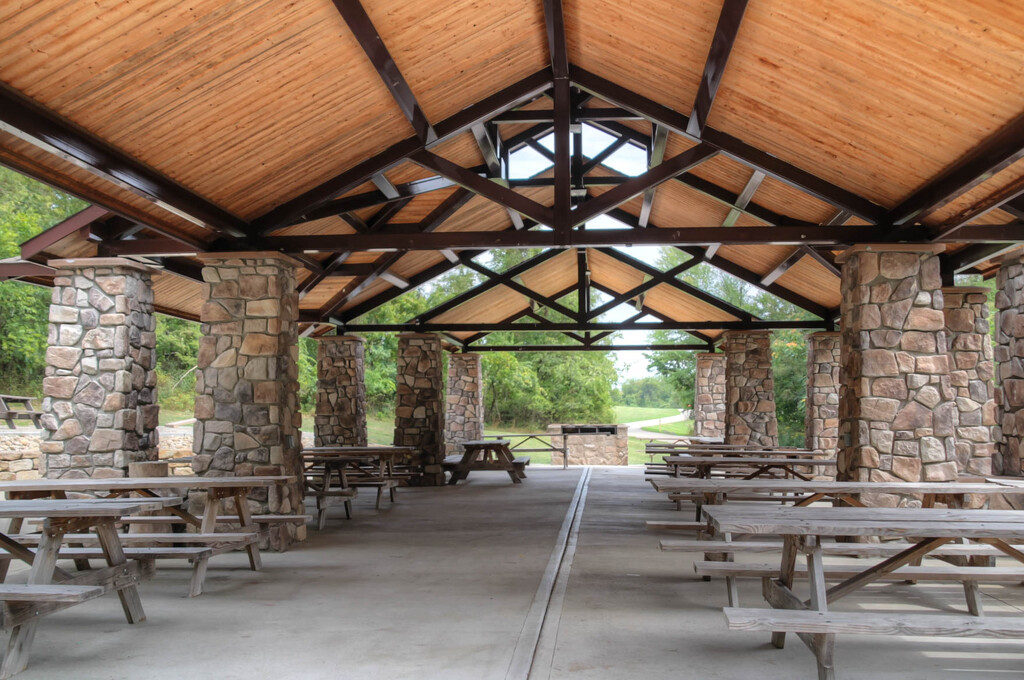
[(802, 530), (801, 492), (24, 605), (217, 490), (353, 467), (704, 465), (486, 454), (26, 410)]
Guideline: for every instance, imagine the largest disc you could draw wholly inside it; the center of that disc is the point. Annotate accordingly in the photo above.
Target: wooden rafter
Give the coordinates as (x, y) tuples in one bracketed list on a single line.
[(373, 45), (714, 67), (655, 156)]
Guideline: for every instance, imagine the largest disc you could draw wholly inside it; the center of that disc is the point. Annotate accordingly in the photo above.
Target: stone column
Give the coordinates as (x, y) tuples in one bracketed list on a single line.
[(419, 413), (247, 416), (340, 418), (970, 353), (709, 396), (100, 384), (1009, 353), (750, 389), (464, 418), (896, 409), (821, 422)]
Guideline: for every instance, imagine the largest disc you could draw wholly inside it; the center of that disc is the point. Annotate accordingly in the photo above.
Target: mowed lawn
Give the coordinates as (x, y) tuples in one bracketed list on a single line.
[(631, 414)]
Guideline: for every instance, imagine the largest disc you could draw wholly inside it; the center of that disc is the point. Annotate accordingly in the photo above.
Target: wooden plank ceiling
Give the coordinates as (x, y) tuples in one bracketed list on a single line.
[(345, 133)]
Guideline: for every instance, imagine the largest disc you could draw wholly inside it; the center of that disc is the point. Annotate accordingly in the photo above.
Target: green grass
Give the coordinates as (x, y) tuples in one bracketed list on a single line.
[(682, 428), (169, 416), (630, 414)]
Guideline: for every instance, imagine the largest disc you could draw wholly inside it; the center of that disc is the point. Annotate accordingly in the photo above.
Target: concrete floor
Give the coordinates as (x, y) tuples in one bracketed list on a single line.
[(439, 586)]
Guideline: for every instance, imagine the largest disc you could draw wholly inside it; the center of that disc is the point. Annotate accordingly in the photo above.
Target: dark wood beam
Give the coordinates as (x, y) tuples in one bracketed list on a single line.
[(824, 258), (681, 286), (484, 187), (351, 178), (635, 186), (554, 22), (742, 201), (591, 327), (621, 298), (714, 67), (486, 285), (46, 130), (548, 116), (732, 147), (329, 269), (997, 152), (1003, 198), (23, 268), (149, 247), (972, 256), (563, 121), (72, 225), (604, 154), (655, 156), (587, 348), (511, 283), (373, 45), (784, 234)]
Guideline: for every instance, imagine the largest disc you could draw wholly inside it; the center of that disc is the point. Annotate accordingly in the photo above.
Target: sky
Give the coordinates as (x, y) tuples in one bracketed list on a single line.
[(629, 160)]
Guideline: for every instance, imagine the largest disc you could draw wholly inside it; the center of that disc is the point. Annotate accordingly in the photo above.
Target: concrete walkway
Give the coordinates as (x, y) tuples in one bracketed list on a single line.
[(441, 585), (636, 428)]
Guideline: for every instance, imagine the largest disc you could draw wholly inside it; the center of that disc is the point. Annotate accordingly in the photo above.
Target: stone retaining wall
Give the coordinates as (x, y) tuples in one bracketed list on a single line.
[(592, 449)]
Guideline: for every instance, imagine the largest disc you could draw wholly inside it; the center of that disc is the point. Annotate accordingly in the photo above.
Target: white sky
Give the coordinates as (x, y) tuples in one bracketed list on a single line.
[(629, 160)]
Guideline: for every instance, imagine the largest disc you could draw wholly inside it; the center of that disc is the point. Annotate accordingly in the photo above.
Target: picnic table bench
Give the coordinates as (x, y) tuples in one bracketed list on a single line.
[(761, 465), (26, 410), (24, 605), (802, 530), (353, 467), (218, 490), (486, 454)]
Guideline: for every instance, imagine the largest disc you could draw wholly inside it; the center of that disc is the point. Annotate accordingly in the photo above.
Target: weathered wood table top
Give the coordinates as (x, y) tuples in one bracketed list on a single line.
[(689, 484), (819, 521), (138, 483), (83, 507), (752, 460)]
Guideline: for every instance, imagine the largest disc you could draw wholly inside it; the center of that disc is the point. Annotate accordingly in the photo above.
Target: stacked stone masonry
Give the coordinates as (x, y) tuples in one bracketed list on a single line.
[(750, 389), (100, 401), (340, 418), (464, 418), (709, 396), (971, 376), (821, 421), (247, 416), (610, 447), (897, 412), (419, 411), (1009, 353)]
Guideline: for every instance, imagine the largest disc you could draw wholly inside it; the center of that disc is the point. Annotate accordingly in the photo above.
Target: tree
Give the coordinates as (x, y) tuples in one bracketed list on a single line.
[(789, 347)]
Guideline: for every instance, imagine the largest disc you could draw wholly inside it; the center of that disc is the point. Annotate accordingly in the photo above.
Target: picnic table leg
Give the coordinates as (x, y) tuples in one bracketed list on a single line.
[(824, 644), (81, 563), (19, 644), (114, 554), (245, 517), (786, 573)]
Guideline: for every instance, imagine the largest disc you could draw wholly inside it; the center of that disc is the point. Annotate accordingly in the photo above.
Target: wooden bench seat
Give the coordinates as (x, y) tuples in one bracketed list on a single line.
[(143, 553), (872, 623), (845, 549), (13, 592), (672, 525), (234, 538), (733, 570), (228, 519)]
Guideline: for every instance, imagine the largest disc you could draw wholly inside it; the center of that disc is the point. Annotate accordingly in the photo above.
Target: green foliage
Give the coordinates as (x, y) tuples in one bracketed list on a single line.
[(789, 347), (652, 392), (27, 207)]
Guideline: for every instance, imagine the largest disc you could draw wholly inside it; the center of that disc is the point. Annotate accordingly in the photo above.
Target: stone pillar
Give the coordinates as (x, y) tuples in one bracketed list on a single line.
[(464, 418), (100, 384), (419, 413), (896, 409), (821, 422), (709, 396), (750, 389), (1009, 353), (340, 418), (247, 415), (970, 353)]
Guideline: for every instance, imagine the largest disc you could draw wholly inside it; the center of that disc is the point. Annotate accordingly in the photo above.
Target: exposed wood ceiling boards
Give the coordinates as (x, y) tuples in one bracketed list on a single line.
[(146, 78), (810, 278), (369, 39), (74, 224), (873, 95), (721, 45), (355, 175)]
